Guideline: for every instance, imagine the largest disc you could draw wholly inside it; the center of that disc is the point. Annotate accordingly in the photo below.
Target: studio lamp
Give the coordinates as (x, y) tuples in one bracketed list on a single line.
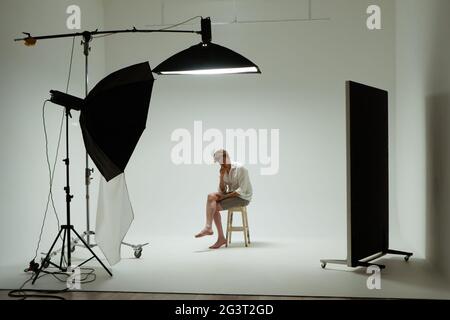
[(206, 58)]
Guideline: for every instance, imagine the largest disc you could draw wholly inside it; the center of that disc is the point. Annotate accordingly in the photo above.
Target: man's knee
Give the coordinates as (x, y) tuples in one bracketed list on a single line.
[(212, 197)]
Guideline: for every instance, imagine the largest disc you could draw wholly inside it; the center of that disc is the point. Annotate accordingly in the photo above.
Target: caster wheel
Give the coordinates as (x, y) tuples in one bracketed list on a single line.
[(323, 265), (138, 253), (406, 258)]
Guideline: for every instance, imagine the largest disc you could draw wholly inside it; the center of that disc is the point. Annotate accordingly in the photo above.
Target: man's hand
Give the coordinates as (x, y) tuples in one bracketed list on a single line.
[(220, 197), (222, 186)]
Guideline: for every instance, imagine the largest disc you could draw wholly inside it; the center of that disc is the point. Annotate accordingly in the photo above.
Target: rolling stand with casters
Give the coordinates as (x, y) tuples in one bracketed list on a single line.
[(366, 264), (136, 247)]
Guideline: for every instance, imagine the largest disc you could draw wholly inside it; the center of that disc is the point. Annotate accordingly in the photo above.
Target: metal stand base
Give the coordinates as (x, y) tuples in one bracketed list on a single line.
[(137, 248), (367, 264), (47, 260)]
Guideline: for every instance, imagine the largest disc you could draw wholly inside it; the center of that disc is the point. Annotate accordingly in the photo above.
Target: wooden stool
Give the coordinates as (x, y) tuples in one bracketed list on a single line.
[(244, 228)]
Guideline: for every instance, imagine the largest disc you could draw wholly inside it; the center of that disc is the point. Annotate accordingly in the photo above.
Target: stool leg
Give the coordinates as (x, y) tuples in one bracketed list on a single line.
[(231, 225), (228, 227), (244, 224), (247, 227)]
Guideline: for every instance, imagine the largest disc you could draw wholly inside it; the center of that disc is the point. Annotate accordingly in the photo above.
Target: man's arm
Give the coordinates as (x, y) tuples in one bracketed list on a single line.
[(245, 188), (229, 195), (222, 186)]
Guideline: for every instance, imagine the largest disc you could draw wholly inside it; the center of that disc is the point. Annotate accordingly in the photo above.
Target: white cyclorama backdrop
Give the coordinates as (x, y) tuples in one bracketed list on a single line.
[(301, 92)]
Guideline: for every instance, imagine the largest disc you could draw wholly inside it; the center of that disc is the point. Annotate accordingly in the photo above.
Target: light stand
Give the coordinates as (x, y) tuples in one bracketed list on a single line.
[(87, 38), (67, 228)]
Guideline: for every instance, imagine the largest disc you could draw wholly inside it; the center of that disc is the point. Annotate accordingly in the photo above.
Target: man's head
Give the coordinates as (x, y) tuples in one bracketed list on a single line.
[(221, 157)]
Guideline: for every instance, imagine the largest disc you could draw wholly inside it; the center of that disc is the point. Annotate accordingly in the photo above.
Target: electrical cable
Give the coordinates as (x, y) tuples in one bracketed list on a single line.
[(81, 280), (51, 294), (180, 23), (47, 294)]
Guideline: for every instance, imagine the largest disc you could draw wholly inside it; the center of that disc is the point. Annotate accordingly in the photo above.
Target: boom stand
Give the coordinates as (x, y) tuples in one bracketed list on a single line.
[(68, 228)]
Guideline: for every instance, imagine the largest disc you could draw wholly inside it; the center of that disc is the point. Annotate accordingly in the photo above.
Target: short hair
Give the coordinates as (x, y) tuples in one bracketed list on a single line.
[(219, 154)]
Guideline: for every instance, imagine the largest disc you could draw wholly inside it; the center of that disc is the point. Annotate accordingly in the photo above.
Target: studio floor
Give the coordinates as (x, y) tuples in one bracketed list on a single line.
[(275, 267)]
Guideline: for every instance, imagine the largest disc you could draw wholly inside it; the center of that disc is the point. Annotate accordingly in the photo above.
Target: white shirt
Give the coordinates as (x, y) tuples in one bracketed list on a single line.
[(237, 180)]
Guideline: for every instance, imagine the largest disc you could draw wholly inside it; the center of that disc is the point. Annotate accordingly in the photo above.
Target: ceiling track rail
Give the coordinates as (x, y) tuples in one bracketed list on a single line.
[(237, 21)]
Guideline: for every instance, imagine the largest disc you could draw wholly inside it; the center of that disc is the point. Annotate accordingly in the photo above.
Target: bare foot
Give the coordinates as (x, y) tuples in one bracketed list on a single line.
[(204, 232), (219, 244)]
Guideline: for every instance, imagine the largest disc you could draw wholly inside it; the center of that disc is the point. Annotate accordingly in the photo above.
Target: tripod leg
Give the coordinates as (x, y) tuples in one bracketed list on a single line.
[(401, 253), (368, 264), (324, 262), (47, 256), (62, 249), (89, 248)]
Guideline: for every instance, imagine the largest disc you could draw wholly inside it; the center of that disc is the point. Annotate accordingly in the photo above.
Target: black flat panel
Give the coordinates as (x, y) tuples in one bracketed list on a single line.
[(368, 140)]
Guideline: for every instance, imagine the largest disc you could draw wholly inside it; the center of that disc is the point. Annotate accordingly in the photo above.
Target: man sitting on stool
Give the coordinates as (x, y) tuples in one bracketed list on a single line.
[(235, 190)]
